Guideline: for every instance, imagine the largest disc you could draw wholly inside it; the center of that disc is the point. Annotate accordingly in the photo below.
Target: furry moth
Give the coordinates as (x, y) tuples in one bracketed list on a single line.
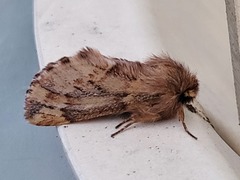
[(90, 85)]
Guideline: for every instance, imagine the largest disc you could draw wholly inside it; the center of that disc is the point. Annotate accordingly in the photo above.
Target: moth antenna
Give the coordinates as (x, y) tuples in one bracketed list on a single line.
[(122, 129), (191, 107), (181, 118)]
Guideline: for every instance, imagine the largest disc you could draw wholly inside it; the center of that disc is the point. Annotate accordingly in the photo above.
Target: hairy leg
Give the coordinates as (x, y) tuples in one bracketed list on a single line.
[(123, 122), (125, 127), (181, 118), (140, 116)]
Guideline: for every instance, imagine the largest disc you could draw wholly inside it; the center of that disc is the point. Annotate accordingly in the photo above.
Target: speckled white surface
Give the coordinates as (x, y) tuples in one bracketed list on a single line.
[(134, 30)]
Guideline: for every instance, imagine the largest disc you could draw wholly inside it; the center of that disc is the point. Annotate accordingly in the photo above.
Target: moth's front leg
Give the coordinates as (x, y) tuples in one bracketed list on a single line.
[(180, 115)]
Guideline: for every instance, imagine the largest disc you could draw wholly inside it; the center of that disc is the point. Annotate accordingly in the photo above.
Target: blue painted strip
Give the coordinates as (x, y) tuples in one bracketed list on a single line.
[(26, 152)]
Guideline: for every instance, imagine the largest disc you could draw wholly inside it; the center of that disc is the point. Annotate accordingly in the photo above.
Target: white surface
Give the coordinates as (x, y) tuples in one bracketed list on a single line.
[(132, 30)]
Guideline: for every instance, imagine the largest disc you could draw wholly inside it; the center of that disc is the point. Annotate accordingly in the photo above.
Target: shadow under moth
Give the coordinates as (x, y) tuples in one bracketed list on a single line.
[(90, 85)]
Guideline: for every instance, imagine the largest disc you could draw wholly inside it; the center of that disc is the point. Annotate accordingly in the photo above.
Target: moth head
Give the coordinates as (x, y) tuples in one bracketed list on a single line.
[(189, 94)]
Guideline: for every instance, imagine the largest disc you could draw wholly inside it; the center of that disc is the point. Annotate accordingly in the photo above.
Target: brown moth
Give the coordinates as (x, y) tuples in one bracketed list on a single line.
[(90, 85)]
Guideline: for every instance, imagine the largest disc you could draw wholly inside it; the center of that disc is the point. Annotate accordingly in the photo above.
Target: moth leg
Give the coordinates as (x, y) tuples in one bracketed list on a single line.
[(125, 115), (181, 118), (122, 129), (123, 122), (140, 116), (196, 110)]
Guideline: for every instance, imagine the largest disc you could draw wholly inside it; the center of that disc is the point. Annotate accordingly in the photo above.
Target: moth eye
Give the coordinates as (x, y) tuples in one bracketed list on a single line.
[(187, 96), (190, 93)]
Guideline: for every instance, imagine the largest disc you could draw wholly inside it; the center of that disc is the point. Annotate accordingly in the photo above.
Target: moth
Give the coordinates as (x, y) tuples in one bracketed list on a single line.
[(90, 85)]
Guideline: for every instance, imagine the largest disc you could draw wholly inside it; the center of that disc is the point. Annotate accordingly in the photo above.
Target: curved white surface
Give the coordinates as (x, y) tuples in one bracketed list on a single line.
[(162, 150)]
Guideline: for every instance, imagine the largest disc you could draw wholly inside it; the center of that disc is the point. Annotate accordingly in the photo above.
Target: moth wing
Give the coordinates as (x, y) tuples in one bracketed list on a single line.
[(76, 88)]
